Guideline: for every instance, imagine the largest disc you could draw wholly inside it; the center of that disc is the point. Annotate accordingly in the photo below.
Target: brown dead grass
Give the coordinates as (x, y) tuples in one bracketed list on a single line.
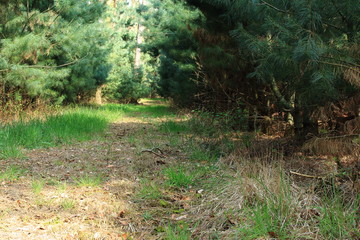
[(337, 147)]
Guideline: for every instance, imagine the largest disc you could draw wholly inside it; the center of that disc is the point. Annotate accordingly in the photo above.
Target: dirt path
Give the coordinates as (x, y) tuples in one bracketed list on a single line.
[(151, 177), (82, 191)]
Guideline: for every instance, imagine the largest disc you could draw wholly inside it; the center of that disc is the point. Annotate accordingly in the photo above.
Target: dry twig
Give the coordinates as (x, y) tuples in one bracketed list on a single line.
[(155, 153), (306, 175)]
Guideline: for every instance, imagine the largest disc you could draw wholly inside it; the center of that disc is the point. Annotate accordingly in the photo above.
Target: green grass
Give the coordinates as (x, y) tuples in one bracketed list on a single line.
[(37, 186), (132, 110), (75, 124), (147, 215), (12, 173), (150, 191), (68, 204), (173, 127), (61, 187), (179, 232), (89, 181), (81, 125), (178, 177), (339, 219), (262, 221), (10, 150), (198, 154)]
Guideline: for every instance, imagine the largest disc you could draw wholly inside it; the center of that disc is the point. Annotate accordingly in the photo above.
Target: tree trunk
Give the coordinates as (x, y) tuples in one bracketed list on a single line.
[(304, 126)]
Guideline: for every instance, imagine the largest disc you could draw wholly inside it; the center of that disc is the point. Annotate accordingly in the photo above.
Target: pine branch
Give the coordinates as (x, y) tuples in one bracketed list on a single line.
[(288, 12), (339, 12), (44, 67), (49, 67), (273, 7), (346, 62), (355, 69), (334, 26), (30, 17)]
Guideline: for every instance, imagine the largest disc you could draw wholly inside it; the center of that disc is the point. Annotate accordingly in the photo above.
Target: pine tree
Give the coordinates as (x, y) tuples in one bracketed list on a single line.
[(132, 75), (51, 50), (300, 50), (169, 39)]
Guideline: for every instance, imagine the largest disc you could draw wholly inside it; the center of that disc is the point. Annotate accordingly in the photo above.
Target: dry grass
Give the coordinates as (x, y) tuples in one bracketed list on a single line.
[(333, 146), (75, 213), (14, 112), (258, 201)]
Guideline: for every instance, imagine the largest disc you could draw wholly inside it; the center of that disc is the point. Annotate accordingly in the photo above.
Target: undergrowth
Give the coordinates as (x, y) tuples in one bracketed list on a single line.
[(249, 193)]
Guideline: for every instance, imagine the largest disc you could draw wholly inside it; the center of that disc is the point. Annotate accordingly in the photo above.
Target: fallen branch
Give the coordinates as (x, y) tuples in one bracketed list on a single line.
[(155, 153), (158, 150), (305, 175), (341, 136)]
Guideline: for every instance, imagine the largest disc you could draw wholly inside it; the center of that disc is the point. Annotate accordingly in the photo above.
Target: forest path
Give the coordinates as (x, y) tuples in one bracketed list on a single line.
[(85, 190)]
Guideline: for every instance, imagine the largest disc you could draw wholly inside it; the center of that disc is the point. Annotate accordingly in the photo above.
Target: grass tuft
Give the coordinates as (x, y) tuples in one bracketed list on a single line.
[(179, 232), (150, 191), (89, 181), (178, 177), (339, 219), (12, 173), (173, 127), (67, 204), (37, 186)]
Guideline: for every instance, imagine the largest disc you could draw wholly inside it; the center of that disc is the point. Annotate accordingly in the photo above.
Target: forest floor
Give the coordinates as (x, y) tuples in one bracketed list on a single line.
[(151, 177)]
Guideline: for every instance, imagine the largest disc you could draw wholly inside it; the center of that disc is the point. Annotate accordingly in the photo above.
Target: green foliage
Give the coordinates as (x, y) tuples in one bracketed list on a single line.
[(128, 82)]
